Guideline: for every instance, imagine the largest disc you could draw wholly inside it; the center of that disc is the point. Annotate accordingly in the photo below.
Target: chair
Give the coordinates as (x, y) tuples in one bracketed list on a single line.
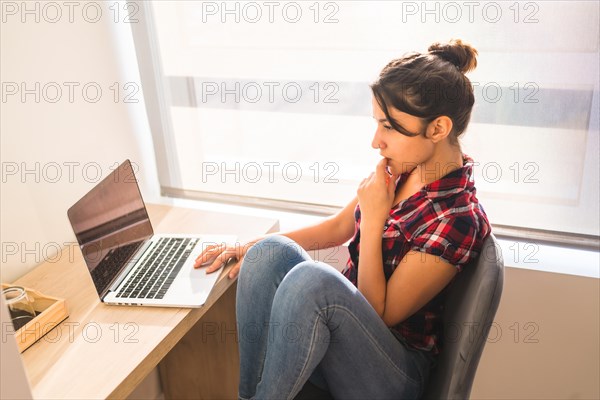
[(471, 304)]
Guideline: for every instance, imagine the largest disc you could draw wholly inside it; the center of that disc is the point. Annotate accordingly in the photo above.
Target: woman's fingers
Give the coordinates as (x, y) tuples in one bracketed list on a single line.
[(207, 250), (208, 255), (235, 270), (216, 256), (367, 179), (222, 259)]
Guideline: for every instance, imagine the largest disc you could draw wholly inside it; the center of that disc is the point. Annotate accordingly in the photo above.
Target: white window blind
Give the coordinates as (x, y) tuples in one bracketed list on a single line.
[(270, 100)]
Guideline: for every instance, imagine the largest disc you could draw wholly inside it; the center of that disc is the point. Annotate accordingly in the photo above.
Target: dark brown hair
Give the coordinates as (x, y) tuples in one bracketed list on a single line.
[(429, 85)]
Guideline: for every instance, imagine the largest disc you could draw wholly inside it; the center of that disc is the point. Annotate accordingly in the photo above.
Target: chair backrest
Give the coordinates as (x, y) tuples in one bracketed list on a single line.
[(471, 304)]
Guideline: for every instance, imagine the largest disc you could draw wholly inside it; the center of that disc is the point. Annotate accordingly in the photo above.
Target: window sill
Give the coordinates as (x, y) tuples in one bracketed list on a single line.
[(517, 254)]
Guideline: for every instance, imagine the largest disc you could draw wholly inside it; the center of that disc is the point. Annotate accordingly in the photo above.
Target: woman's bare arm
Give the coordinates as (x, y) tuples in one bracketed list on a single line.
[(332, 231)]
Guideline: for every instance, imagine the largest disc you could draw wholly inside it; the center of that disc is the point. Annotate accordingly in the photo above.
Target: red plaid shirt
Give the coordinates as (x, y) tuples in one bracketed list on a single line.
[(444, 219)]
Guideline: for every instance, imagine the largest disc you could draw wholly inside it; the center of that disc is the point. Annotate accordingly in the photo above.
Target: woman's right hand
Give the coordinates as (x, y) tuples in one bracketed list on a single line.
[(215, 256)]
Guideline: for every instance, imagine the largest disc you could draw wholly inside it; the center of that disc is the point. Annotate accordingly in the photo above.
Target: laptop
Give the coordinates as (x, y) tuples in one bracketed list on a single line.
[(128, 263)]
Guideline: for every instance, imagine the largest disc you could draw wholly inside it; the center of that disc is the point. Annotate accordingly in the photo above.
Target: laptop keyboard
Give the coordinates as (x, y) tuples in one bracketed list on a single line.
[(159, 269)]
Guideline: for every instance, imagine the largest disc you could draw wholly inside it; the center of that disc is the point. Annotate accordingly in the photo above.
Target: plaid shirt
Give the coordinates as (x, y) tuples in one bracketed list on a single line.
[(443, 219)]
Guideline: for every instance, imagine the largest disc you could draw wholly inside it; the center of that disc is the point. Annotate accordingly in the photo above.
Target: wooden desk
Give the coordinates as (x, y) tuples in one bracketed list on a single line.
[(103, 351)]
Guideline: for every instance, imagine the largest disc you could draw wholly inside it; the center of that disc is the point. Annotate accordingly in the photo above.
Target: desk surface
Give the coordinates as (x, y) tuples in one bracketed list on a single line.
[(103, 351)]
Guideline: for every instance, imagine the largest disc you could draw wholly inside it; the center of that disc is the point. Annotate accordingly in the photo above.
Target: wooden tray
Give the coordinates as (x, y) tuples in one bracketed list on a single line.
[(52, 311)]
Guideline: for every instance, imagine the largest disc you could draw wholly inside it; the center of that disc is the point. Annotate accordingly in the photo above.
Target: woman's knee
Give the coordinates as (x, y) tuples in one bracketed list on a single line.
[(313, 280), (272, 255)]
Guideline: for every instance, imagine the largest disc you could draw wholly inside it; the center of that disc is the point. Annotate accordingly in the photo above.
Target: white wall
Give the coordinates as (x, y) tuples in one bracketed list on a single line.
[(90, 137)]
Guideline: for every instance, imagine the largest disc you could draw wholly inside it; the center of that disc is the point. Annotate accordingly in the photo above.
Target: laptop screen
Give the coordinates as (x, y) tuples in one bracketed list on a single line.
[(110, 223)]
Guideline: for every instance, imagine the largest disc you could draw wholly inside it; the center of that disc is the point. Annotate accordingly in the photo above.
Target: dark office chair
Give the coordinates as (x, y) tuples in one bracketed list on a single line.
[(471, 304)]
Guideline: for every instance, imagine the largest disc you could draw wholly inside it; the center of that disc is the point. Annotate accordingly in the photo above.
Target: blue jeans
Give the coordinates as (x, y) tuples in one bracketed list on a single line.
[(300, 319)]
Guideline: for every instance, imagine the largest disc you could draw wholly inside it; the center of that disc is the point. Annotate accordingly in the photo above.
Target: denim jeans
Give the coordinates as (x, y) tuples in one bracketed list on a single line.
[(300, 319)]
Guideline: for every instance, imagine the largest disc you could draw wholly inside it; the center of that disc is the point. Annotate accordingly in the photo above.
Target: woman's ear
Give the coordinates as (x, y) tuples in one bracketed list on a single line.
[(439, 128)]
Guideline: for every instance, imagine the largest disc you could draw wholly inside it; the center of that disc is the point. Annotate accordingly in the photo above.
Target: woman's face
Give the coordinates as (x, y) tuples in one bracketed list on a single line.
[(403, 152)]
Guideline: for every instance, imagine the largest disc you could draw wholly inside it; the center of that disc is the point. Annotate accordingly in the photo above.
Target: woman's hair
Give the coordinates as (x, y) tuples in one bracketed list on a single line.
[(430, 85)]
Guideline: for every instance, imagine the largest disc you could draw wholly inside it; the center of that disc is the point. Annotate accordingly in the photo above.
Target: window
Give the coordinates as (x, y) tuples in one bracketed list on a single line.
[(268, 102)]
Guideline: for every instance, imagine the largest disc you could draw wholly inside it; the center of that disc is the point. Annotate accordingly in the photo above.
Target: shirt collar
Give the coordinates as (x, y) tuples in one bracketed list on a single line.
[(454, 182), (408, 215)]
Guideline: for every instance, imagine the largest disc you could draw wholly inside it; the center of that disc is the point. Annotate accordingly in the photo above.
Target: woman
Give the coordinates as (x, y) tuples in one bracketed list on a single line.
[(375, 331)]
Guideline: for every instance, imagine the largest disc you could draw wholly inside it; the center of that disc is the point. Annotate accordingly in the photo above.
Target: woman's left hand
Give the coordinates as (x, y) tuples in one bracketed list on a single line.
[(376, 194)]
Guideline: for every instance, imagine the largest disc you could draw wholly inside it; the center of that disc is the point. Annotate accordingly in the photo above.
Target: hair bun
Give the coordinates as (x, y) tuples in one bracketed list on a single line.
[(458, 53)]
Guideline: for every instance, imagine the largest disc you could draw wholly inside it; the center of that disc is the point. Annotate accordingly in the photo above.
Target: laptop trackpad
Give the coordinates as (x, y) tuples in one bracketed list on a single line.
[(193, 282)]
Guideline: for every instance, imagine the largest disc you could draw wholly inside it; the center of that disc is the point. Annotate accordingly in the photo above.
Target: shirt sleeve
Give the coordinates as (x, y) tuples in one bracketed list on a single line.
[(453, 239)]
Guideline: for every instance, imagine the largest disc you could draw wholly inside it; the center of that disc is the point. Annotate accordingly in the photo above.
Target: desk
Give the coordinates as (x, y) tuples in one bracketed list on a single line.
[(103, 351)]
